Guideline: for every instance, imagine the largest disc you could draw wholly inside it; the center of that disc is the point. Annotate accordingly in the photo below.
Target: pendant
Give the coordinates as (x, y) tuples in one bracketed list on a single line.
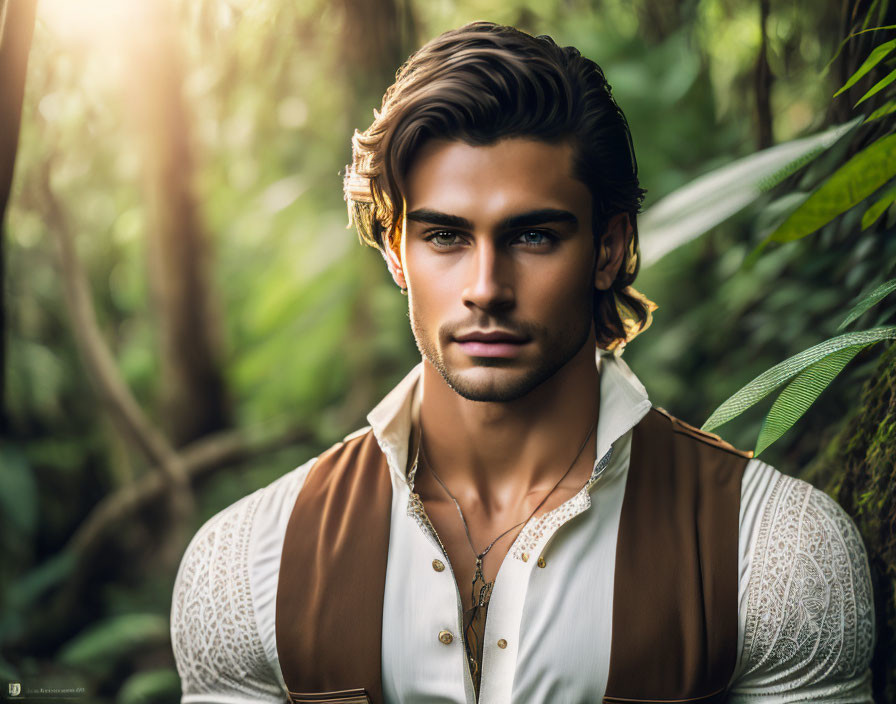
[(482, 590), (477, 575), (485, 593)]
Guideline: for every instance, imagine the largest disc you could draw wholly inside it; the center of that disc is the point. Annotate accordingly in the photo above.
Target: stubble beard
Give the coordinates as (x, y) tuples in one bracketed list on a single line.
[(557, 350)]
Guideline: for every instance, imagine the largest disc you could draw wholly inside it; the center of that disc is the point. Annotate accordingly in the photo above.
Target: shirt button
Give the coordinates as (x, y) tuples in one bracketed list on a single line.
[(438, 565), (541, 562), (502, 644), (525, 557), (446, 637)]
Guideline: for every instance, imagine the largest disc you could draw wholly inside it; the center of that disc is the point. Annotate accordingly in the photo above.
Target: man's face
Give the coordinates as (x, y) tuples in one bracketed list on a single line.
[(498, 258)]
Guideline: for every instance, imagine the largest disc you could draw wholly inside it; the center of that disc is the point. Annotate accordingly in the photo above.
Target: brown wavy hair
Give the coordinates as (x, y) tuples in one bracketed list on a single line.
[(484, 82)]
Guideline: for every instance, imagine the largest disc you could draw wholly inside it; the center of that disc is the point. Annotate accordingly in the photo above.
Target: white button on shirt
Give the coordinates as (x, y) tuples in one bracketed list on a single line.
[(805, 612)]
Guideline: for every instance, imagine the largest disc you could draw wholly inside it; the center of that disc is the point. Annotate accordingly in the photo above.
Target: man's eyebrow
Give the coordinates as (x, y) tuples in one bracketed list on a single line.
[(512, 222), (434, 217), (537, 217)]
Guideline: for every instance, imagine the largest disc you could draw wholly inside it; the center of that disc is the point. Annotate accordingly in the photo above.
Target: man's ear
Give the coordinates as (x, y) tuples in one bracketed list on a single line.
[(611, 250), (392, 253)]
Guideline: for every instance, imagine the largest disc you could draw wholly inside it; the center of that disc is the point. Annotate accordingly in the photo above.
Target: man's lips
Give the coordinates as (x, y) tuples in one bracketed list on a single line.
[(490, 336), (494, 343)]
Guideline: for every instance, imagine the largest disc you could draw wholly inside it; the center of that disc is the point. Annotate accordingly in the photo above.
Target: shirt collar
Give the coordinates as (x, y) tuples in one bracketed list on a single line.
[(623, 402)]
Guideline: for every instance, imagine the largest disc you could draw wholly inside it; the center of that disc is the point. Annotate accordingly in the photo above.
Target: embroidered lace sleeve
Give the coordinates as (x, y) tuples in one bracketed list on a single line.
[(808, 626), (219, 652)]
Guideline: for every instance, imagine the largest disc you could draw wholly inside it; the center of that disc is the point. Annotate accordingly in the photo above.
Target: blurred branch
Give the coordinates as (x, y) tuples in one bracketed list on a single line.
[(96, 355), (16, 30), (201, 457), (100, 364)]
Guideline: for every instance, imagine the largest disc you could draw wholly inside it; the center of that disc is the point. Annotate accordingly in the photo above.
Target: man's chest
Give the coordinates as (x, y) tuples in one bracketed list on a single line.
[(475, 542), (549, 622)]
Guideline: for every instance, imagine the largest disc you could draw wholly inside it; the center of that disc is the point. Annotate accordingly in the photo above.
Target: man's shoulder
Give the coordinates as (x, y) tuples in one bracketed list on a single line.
[(796, 519), (221, 611), (805, 590), (221, 548), (222, 643)]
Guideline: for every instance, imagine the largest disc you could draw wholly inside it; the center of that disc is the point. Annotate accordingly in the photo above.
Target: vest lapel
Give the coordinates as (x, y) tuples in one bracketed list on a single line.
[(675, 592), (329, 616)]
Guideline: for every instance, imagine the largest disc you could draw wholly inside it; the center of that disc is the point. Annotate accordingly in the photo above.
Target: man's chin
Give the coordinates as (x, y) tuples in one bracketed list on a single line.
[(492, 382)]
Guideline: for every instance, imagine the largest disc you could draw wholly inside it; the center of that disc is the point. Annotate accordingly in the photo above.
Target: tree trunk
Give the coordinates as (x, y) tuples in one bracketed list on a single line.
[(762, 80), (377, 37), (659, 19), (194, 397), (859, 470), (16, 30)]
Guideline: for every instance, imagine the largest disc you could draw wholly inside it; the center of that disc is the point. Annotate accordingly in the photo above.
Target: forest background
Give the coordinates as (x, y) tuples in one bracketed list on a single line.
[(186, 317)]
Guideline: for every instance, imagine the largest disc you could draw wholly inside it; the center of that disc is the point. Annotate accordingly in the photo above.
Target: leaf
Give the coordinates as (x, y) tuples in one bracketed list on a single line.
[(875, 5), (149, 687), (101, 646), (871, 299), (879, 86), (854, 34), (858, 178), (688, 212), (18, 492), (801, 393), (772, 378), (882, 111), (31, 587), (874, 58), (878, 208)]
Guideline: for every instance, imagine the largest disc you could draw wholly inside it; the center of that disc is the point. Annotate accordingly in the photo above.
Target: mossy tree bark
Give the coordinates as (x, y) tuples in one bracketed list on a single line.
[(859, 470)]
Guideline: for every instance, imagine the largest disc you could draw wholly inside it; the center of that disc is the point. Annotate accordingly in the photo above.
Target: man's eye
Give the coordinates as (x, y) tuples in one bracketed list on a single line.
[(535, 238), (443, 239)]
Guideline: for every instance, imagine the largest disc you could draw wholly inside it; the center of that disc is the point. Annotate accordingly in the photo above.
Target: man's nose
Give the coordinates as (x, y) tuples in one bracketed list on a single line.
[(488, 278)]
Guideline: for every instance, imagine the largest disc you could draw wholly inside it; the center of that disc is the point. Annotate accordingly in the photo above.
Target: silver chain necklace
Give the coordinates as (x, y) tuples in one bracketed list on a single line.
[(485, 587)]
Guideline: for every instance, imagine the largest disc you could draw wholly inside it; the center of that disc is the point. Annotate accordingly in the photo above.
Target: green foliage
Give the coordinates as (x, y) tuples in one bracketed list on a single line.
[(877, 295), (770, 380), (847, 39), (702, 204), (850, 183), (150, 687), (102, 646), (18, 493), (858, 178), (878, 208), (879, 86), (883, 111), (801, 393), (876, 56), (27, 592)]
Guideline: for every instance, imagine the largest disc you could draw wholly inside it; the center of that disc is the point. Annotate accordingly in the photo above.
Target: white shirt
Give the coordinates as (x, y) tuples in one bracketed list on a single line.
[(806, 621)]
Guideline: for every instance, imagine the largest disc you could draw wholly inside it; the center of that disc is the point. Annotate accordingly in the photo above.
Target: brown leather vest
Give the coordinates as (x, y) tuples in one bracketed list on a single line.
[(674, 635)]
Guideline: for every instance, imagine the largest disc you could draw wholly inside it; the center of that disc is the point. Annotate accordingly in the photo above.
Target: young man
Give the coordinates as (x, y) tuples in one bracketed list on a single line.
[(518, 524)]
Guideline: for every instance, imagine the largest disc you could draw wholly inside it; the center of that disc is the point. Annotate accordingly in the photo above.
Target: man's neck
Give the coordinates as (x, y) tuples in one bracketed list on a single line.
[(496, 454)]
